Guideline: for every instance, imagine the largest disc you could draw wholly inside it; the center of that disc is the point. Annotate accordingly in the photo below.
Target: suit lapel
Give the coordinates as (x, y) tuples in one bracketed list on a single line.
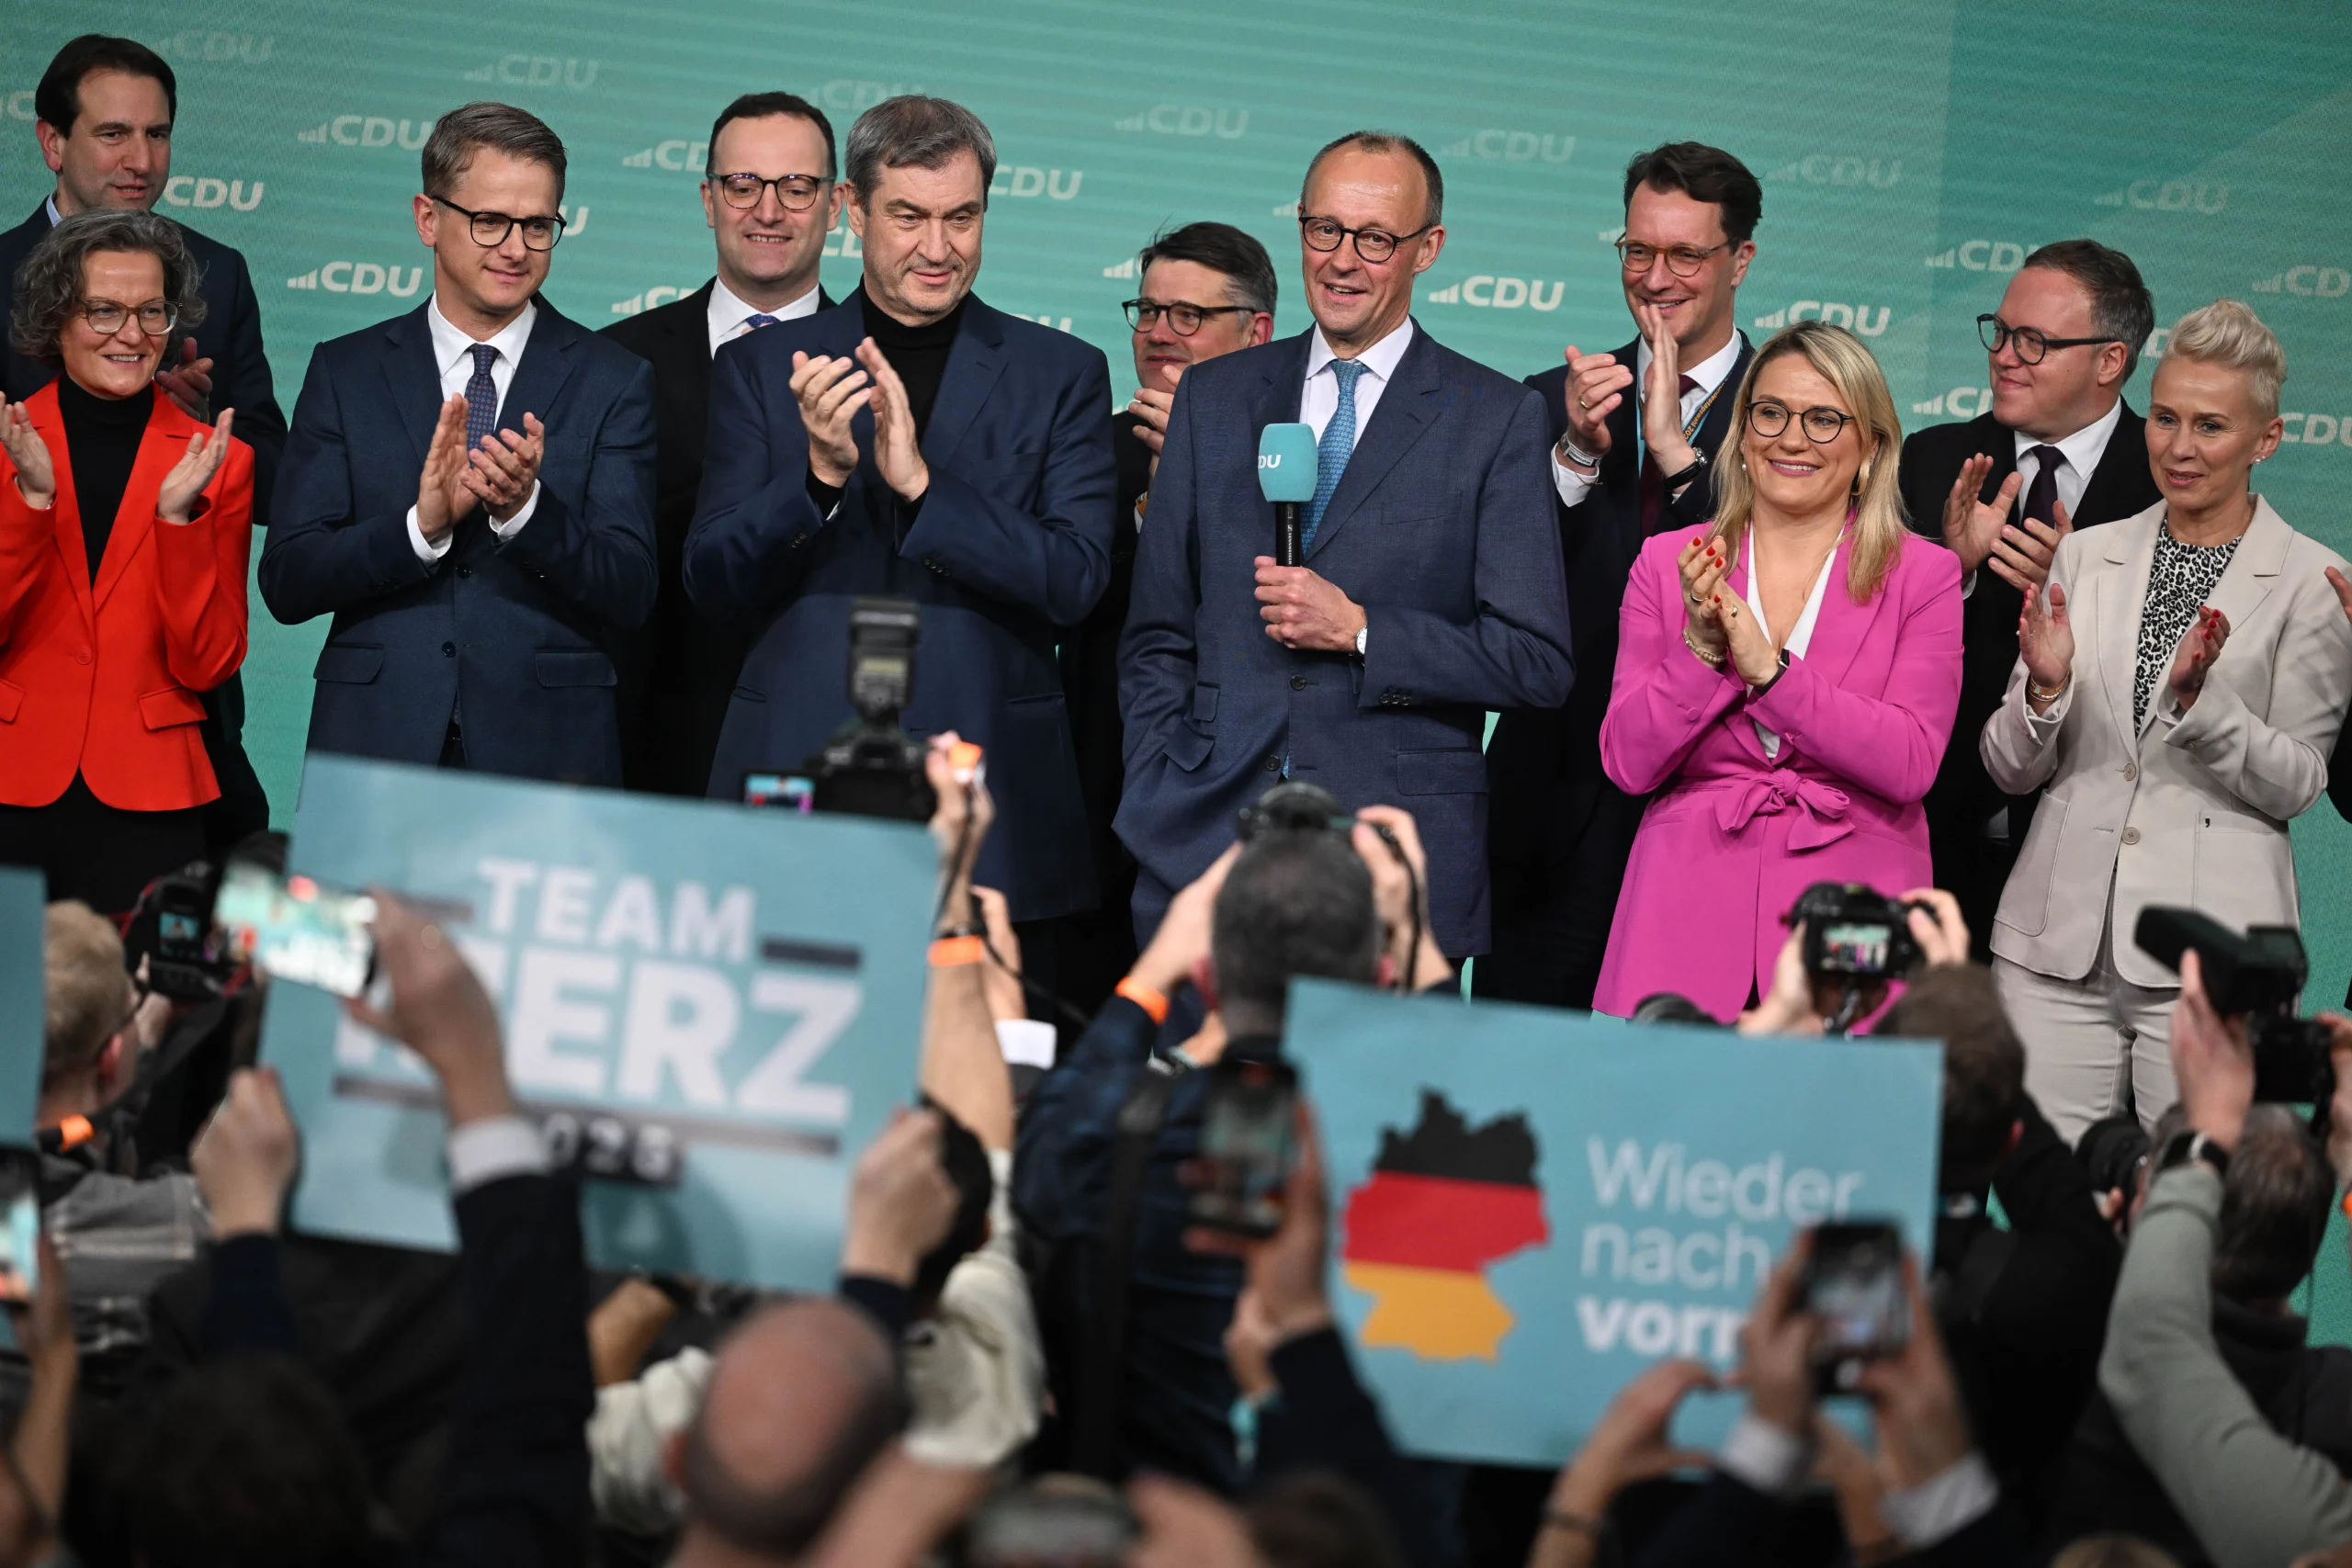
[(2122, 590), (2109, 492), (973, 365), (2254, 571), (413, 378), (1838, 630), (1715, 429), (1406, 410), (160, 447), (1999, 442), (547, 366), (51, 425)]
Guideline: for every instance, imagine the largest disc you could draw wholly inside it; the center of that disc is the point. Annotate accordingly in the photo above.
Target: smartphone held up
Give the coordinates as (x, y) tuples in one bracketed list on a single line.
[(293, 928)]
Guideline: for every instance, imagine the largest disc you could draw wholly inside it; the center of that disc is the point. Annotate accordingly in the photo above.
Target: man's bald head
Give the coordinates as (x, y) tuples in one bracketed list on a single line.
[(802, 1397)]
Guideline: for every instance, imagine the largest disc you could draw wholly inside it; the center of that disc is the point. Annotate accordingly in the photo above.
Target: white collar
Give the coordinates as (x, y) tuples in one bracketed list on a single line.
[(1381, 358), (55, 217), (1709, 372), (2085, 446), (451, 345), (729, 310)]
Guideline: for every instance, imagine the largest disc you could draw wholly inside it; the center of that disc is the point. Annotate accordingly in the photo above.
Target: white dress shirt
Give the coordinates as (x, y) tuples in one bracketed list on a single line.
[(1801, 638), (730, 316), (1708, 373), (453, 353), (2081, 451), (1319, 399)]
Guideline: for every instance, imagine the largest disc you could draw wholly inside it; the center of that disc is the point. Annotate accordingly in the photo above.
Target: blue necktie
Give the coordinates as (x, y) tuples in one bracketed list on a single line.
[(757, 320), (481, 397), (1331, 452)]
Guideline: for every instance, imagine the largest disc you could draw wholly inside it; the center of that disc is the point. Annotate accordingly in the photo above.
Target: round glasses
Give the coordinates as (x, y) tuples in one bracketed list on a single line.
[(2029, 343), (793, 193), (489, 228), (107, 317), (1374, 245), (1183, 319), (1683, 261), (1821, 425)]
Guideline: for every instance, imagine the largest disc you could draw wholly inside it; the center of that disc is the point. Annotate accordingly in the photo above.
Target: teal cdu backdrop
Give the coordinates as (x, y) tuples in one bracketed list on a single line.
[(1911, 152)]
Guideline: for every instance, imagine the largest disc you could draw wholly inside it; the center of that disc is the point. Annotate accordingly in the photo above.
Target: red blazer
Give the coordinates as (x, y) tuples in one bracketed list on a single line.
[(103, 678)]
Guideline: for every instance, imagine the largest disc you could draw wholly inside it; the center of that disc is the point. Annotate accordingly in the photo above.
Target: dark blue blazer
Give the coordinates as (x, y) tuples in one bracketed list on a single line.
[(1441, 529), (1011, 543), (522, 629)]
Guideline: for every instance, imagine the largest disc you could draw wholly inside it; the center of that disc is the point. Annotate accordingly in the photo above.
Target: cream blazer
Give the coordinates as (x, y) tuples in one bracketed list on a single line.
[(2192, 810)]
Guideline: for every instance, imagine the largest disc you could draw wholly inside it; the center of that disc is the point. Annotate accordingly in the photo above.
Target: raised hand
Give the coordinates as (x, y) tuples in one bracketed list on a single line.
[(1752, 654), (1662, 393), (504, 470), (1973, 526), (1703, 564), (2198, 648), (2343, 587), (1151, 406), (830, 392), (2046, 638), (245, 1157), (2024, 549), (442, 495), (195, 469), (1597, 384), (187, 382), (29, 455), (895, 452)]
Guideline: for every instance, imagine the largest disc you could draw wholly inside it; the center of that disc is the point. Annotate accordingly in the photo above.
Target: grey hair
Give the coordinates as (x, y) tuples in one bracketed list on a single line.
[(917, 131), (49, 285)]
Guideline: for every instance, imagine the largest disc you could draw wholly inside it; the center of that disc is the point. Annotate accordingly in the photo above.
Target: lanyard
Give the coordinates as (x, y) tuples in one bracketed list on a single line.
[(1689, 426)]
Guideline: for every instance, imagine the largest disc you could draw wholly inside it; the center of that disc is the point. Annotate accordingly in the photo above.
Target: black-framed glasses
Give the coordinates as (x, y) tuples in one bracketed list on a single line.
[(1821, 425), (489, 228), (795, 192), (1683, 261), (107, 317), (1184, 318), (2029, 343), (1374, 245)]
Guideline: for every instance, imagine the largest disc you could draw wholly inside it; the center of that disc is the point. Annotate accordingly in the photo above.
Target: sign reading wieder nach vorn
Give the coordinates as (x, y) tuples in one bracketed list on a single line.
[(711, 1010)]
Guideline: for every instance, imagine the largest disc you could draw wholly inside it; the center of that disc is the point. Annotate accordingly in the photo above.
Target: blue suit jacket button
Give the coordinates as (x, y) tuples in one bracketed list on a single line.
[(448, 650)]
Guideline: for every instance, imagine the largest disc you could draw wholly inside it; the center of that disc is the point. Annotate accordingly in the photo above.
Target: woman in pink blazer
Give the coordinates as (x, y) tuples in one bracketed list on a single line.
[(1786, 683)]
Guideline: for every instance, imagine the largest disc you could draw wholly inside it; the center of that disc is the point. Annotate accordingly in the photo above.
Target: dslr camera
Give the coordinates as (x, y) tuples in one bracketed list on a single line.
[(871, 767), (1852, 935), (1292, 807), (2256, 977), (171, 928)]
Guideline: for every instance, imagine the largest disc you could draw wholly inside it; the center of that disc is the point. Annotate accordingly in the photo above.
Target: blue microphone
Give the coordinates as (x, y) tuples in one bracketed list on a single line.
[(1286, 476)]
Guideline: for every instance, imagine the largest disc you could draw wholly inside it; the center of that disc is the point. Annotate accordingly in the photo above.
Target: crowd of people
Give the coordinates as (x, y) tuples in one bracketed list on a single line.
[(1743, 636)]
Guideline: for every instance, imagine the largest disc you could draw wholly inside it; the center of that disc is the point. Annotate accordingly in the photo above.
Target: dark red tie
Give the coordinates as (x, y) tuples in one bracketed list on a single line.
[(1653, 480)]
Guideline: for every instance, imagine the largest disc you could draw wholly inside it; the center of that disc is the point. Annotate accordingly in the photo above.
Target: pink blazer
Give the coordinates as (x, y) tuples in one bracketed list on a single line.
[(1732, 839)]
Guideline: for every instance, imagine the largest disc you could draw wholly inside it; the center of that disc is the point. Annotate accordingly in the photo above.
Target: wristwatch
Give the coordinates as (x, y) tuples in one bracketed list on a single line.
[(1363, 633), (2193, 1145), (1697, 470)]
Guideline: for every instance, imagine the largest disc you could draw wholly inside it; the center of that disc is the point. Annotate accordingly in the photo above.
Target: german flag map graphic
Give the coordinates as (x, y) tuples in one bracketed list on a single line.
[(1442, 1201)]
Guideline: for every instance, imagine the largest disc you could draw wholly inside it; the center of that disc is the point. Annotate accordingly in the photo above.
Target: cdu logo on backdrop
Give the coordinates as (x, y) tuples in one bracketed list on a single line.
[(205, 191), (370, 131), (1490, 292), (2168, 196), (1513, 147), (1834, 169), (1187, 119), (537, 71), (1854, 318), (2311, 281)]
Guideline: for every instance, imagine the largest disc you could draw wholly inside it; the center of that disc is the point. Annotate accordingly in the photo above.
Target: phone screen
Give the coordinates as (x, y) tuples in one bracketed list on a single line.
[(1247, 1129), (1853, 1284), (294, 928), (20, 1249)]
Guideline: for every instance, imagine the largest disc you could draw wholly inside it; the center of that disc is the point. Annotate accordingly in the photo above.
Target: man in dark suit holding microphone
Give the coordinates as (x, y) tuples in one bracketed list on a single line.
[(1430, 588)]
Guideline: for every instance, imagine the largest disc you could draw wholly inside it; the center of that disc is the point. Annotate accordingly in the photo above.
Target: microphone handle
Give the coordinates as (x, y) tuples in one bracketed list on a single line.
[(1289, 549)]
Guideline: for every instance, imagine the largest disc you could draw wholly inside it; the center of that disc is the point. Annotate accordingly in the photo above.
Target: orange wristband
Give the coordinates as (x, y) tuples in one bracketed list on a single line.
[(74, 1129), (1153, 1003), (950, 952)]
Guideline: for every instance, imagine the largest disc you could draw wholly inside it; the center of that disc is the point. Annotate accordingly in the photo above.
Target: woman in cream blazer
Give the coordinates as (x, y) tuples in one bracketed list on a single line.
[(2178, 687)]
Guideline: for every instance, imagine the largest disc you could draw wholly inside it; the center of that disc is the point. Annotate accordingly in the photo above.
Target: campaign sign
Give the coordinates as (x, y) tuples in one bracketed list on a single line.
[(711, 1010), (23, 1001), (1528, 1206)]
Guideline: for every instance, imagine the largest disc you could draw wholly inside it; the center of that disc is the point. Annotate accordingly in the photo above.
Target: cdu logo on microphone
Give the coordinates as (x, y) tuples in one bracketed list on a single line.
[(1287, 470)]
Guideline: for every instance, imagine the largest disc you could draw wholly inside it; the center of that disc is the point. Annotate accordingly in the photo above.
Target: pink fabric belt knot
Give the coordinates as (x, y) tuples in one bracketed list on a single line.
[(1824, 806)]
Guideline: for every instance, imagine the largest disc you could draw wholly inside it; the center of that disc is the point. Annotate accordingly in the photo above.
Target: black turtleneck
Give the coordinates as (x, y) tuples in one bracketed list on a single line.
[(102, 435), (920, 357)]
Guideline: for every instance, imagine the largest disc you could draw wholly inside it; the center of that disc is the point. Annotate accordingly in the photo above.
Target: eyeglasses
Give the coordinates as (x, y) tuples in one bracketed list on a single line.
[(1374, 245), (2029, 343), (1821, 425), (107, 317), (1183, 319), (489, 228), (795, 192), (1683, 261)]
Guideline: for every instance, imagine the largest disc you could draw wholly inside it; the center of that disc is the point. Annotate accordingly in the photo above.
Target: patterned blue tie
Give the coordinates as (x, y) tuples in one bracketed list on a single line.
[(481, 397), (757, 320), (1331, 453)]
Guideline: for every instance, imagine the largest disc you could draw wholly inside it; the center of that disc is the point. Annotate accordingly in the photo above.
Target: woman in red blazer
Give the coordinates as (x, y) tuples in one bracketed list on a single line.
[(124, 530)]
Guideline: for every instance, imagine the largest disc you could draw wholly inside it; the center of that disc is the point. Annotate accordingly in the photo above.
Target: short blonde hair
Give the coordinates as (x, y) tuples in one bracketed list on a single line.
[(2228, 333), (1848, 365), (89, 991)]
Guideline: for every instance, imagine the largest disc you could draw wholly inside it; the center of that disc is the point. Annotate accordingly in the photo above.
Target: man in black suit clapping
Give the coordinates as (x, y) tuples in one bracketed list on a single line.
[(770, 196), (2057, 449)]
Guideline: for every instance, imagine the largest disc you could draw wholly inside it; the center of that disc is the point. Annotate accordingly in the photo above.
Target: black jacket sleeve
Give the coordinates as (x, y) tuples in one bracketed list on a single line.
[(245, 1308), (515, 1494), (1325, 1420), (241, 380)]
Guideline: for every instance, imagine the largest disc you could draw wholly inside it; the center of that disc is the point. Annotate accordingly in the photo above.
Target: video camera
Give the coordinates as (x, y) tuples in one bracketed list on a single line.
[(2258, 976), (871, 767), (1856, 940), (171, 928)]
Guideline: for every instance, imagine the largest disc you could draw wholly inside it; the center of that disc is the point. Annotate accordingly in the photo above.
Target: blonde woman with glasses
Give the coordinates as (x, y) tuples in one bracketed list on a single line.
[(2178, 686), (1786, 681)]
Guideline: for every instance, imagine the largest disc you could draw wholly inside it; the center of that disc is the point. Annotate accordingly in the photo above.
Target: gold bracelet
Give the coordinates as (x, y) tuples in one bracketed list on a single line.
[(2041, 693), (1712, 660)]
